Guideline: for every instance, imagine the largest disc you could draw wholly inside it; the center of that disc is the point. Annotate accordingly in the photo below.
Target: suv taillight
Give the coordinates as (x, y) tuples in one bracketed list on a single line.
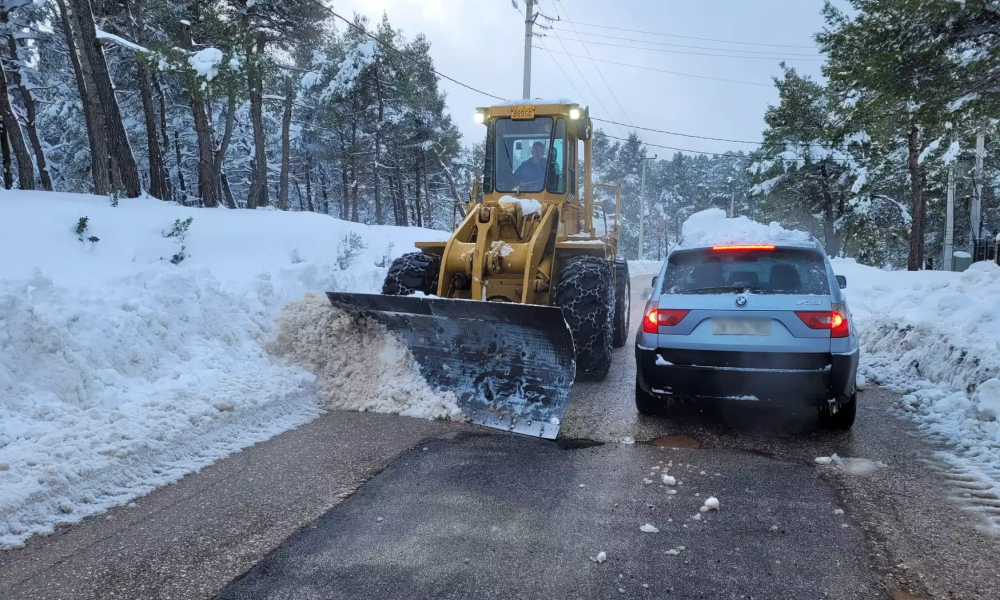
[(835, 320), (661, 317)]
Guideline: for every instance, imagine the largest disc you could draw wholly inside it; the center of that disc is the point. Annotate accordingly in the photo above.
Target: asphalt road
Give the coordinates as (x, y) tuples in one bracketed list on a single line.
[(497, 516), (483, 514)]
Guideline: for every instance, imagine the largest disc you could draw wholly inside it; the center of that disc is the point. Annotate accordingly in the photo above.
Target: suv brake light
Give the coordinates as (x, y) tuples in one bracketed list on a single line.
[(661, 317), (743, 247), (835, 320)]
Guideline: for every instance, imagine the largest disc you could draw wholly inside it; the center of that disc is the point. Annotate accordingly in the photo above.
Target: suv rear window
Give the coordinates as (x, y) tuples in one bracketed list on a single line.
[(778, 271)]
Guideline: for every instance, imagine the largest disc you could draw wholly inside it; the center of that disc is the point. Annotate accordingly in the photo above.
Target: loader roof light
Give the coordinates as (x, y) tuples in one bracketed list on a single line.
[(743, 247), (480, 117), (574, 113)]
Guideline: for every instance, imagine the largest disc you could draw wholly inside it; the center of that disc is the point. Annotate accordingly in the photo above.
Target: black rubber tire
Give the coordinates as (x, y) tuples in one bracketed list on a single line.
[(413, 272), (623, 289), (646, 403), (843, 419), (585, 292)]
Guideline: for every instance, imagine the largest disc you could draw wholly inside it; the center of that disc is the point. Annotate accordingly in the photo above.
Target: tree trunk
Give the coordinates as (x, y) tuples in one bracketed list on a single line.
[(157, 174), (829, 230), (344, 191), (915, 259), (25, 172), (8, 177), (165, 147), (354, 173), (429, 219), (220, 152), (114, 126), (227, 191), (416, 201), (403, 219), (322, 187), (309, 194), (29, 110), (376, 168), (451, 184), (180, 170), (91, 111), (207, 181), (286, 143), (255, 82)]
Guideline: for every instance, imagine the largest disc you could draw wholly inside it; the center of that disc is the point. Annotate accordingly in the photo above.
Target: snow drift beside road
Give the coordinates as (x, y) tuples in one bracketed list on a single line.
[(120, 371)]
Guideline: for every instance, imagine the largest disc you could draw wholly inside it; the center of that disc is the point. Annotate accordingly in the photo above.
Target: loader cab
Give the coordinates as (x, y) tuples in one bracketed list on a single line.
[(532, 150)]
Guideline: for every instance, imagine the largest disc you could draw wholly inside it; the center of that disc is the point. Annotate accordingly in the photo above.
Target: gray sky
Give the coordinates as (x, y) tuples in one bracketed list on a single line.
[(480, 42)]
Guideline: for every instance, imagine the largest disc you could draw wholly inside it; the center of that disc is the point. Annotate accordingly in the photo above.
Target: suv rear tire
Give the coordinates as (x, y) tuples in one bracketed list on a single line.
[(843, 419), (585, 293)]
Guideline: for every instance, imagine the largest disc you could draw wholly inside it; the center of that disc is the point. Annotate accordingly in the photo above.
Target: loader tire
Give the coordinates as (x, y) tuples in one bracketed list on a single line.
[(413, 272), (586, 294), (623, 296)]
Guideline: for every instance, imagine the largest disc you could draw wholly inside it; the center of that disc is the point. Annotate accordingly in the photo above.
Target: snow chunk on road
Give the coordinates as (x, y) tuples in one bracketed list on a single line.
[(711, 227), (601, 557), (647, 528), (360, 367), (669, 480), (712, 503)]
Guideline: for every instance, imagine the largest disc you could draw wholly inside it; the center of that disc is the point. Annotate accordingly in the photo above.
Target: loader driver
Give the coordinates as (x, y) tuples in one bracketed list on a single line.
[(531, 173)]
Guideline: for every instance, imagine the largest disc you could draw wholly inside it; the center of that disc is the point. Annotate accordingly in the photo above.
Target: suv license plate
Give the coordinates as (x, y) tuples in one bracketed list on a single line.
[(741, 327)]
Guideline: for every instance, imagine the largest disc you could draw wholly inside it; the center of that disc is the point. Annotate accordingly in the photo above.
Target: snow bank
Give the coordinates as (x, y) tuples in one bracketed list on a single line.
[(121, 371), (639, 268), (711, 227), (935, 336)]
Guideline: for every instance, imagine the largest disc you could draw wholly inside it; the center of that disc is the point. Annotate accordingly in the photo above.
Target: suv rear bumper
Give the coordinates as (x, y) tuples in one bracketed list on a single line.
[(783, 378)]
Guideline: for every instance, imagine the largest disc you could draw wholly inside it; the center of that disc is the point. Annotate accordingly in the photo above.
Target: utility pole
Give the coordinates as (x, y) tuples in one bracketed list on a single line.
[(977, 195), (947, 262), (529, 21), (642, 202)]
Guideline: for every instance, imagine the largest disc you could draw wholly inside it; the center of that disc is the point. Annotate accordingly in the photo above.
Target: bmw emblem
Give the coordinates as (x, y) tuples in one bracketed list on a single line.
[(741, 301)]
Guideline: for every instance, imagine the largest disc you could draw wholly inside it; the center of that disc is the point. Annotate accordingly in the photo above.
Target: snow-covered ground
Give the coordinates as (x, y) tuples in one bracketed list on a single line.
[(121, 371)]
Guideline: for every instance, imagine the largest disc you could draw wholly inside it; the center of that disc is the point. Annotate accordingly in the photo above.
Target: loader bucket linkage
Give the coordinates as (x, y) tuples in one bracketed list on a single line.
[(511, 366)]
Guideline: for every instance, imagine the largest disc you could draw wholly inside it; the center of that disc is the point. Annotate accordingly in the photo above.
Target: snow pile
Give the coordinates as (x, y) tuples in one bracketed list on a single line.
[(206, 62), (121, 371), (359, 366), (711, 227)]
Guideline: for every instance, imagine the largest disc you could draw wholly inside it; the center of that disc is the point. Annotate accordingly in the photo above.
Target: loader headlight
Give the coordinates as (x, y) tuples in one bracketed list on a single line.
[(480, 117), (574, 113)]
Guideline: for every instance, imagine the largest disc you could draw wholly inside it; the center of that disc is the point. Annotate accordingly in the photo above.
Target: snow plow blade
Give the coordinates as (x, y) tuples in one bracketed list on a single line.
[(511, 366)]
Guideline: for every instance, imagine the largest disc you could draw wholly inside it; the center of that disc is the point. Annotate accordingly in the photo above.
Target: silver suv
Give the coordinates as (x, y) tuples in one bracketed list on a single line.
[(750, 322)]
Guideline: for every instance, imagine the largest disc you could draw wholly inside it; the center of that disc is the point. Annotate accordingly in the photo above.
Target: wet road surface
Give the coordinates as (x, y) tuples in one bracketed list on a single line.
[(482, 514)]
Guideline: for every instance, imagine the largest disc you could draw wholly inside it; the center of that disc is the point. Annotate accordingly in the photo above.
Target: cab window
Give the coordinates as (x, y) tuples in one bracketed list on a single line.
[(520, 154)]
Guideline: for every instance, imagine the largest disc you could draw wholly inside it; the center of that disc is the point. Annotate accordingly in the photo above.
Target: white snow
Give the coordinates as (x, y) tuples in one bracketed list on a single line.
[(357, 60), (961, 254), (711, 503), (640, 268), (647, 528), (121, 372), (206, 62), (528, 206), (711, 227), (601, 556), (669, 480), (647, 480), (662, 362), (534, 101), (104, 35)]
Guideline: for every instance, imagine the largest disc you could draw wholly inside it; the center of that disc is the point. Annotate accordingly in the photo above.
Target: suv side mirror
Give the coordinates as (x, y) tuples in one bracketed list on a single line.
[(841, 281), (655, 277)]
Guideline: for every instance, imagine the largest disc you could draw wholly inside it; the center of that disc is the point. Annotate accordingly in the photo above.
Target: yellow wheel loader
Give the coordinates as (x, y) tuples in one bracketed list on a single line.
[(526, 295)]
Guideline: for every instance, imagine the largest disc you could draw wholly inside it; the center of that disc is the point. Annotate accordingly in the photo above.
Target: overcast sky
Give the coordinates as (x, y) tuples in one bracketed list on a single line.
[(481, 43)]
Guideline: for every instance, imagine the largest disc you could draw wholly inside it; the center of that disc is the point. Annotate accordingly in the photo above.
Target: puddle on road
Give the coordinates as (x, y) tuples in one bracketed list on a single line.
[(676, 441)]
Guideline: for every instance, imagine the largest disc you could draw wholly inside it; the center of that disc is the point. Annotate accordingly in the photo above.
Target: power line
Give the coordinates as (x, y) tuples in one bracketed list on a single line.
[(626, 39), (687, 135), (596, 68), (561, 70), (690, 37), (410, 58), (611, 62), (697, 53), (644, 143)]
